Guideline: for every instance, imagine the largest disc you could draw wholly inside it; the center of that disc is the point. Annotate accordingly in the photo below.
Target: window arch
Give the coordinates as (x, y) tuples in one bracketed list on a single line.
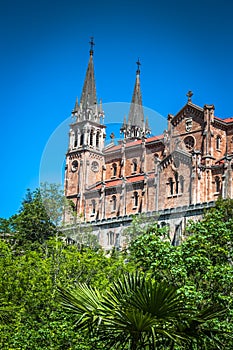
[(114, 201), (217, 184), (114, 167), (135, 197), (218, 142)]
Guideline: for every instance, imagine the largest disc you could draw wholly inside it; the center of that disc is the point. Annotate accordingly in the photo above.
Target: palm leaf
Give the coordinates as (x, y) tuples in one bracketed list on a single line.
[(138, 313)]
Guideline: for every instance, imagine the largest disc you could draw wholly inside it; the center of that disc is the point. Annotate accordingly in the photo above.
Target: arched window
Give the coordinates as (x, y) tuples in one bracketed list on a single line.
[(217, 184), (181, 180), (113, 203), (97, 139), (110, 236), (75, 140), (81, 140), (114, 167), (177, 182), (134, 166), (218, 142), (91, 137), (135, 196), (171, 186), (93, 203)]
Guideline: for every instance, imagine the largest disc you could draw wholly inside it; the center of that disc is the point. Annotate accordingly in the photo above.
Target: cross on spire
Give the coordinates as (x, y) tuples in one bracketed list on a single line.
[(138, 63), (91, 42), (189, 95)]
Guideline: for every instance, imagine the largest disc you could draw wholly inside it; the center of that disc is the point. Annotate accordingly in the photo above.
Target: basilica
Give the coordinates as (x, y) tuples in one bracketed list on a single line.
[(172, 177)]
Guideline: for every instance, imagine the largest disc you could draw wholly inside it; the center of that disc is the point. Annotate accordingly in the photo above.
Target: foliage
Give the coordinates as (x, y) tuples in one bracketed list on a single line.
[(138, 313), (201, 266), (28, 289), (34, 260), (54, 202), (32, 225), (140, 223)]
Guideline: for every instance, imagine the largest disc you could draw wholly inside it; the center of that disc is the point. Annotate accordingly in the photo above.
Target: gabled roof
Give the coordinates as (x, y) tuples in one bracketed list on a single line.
[(134, 143), (189, 104)]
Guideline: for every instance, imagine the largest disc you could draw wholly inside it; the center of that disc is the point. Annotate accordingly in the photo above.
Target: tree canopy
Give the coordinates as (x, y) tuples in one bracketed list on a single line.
[(35, 261)]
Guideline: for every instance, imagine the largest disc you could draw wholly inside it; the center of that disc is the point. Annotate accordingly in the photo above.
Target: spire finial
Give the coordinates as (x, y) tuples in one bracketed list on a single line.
[(91, 42), (138, 63), (189, 95)]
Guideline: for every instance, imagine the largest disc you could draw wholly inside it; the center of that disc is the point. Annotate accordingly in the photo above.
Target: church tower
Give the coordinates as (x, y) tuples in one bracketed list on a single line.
[(84, 159), (136, 127)]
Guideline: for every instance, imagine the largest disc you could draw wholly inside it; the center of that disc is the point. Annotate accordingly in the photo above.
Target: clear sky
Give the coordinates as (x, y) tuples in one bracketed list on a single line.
[(183, 45)]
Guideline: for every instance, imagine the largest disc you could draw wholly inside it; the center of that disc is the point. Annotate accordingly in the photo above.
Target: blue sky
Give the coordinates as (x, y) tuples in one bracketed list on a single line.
[(183, 45)]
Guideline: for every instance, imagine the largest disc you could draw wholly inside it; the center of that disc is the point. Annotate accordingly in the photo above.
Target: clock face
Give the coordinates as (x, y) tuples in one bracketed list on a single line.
[(95, 166)]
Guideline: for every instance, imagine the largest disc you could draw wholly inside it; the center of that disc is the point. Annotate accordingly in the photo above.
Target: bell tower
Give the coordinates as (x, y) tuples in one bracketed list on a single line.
[(84, 159)]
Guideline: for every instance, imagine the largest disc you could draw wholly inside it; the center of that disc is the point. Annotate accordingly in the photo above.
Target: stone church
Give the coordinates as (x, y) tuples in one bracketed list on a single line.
[(172, 177)]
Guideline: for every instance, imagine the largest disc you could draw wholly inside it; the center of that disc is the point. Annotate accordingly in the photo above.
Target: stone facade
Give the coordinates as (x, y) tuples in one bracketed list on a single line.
[(173, 176)]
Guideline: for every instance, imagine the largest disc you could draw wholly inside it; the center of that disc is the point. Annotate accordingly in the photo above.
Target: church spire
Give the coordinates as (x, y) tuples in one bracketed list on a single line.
[(136, 115), (88, 108), (136, 127), (88, 97)]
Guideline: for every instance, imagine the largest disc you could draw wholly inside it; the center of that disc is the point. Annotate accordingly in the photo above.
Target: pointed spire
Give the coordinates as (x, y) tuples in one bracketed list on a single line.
[(76, 105), (135, 128), (136, 115), (147, 128), (88, 97), (75, 109)]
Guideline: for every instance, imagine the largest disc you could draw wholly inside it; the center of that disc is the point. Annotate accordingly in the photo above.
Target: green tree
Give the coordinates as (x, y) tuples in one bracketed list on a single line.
[(28, 289), (201, 266), (54, 201), (138, 313), (32, 225)]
